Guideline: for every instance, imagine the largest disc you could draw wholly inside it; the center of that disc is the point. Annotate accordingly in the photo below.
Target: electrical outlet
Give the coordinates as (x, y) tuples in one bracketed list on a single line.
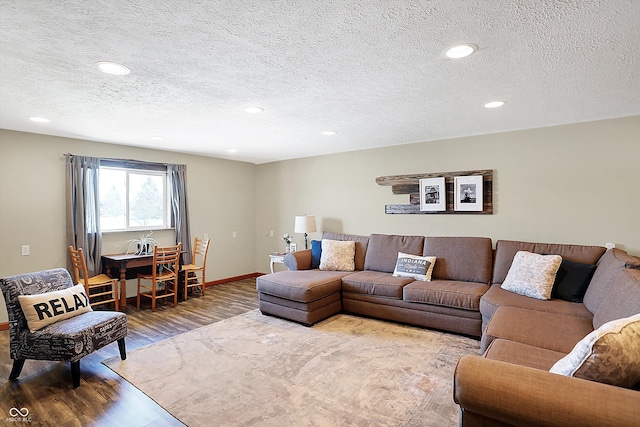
[(270, 233), (609, 245), (26, 250), (235, 234), (206, 236)]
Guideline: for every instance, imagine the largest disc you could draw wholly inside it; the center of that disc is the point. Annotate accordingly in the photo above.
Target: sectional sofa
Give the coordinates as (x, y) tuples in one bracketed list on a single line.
[(522, 337)]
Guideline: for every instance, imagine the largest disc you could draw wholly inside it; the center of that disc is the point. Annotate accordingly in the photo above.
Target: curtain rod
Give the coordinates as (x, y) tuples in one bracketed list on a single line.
[(140, 162)]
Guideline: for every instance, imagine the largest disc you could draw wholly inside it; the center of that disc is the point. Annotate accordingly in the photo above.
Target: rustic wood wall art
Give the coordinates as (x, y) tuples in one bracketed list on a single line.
[(410, 184)]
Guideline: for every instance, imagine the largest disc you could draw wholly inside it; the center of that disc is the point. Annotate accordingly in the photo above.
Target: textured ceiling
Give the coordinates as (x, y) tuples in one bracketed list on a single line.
[(369, 70)]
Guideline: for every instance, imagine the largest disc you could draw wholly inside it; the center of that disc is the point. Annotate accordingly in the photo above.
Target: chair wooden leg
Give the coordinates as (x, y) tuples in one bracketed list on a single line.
[(75, 373), (186, 285), (116, 297), (138, 300), (122, 348), (203, 282), (175, 292), (17, 368), (153, 297)]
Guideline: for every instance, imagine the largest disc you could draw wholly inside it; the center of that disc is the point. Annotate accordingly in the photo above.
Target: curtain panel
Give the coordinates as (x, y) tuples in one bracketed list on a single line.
[(179, 209), (83, 210)]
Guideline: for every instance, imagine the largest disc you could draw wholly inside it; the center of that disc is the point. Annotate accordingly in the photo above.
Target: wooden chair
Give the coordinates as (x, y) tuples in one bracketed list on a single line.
[(165, 272), (100, 289), (194, 272)]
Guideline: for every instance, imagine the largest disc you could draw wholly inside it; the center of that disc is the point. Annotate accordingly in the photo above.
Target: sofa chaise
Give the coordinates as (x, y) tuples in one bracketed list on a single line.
[(450, 301)]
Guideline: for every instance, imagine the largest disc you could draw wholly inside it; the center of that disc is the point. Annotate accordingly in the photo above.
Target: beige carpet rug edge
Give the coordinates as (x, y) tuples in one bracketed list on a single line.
[(253, 369)]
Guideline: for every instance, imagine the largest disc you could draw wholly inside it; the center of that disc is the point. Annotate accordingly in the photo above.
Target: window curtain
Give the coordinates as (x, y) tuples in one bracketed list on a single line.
[(83, 210), (179, 208)]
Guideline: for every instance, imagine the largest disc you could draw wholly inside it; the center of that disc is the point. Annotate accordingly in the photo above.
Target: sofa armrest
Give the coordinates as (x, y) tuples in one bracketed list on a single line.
[(298, 260), (522, 396)]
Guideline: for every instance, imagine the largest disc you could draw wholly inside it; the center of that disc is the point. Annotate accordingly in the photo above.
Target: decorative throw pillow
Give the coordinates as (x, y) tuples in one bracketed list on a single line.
[(41, 310), (414, 266), (572, 280), (338, 255), (610, 355), (532, 274), (316, 252)]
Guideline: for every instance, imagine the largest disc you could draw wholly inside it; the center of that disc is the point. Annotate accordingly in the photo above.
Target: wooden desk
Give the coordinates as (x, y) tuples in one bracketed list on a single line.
[(121, 263)]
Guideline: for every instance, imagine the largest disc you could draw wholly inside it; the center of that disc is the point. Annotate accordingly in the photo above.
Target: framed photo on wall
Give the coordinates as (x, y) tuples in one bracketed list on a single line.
[(467, 192), (432, 195)]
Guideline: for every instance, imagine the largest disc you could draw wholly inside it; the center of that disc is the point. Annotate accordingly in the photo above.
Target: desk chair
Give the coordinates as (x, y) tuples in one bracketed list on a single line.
[(194, 272), (100, 289), (67, 340), (163, 278)]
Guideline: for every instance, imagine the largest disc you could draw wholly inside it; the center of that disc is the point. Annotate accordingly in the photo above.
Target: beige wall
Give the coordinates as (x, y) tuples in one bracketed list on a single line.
[(32, 196), (566, 184)]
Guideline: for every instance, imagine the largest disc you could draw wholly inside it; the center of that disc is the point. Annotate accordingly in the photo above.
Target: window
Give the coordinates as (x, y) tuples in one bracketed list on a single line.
[(133, 199)]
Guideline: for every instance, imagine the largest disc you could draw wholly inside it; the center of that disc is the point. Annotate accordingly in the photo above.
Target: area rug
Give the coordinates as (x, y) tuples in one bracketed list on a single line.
[(259, 370)]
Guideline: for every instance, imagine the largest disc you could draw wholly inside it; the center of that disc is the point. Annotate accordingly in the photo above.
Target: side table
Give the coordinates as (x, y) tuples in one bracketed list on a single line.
[(276, 258)]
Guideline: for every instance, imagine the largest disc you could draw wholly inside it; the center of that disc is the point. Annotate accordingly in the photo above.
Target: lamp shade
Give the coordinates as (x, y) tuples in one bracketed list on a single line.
[(305, 224)]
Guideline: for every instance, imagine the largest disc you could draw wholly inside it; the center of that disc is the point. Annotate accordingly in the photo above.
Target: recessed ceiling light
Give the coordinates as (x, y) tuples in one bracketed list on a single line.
[(39, 119), (329, 132), (232, 150), (459, 51), (157, 138), (494, 104), (113, 68), (254, 110)]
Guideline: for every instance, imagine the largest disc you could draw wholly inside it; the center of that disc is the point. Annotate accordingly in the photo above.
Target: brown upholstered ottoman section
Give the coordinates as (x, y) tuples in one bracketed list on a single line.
[(449, 293), (308, 315), (497, 297), (552, 331), (375, 283), (302, 286), (523, 354), (306, 296)]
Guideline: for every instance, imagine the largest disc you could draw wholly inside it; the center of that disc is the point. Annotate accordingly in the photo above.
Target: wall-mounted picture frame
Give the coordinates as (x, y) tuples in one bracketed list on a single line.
[(432, 195), (292, 247), (467, 192)]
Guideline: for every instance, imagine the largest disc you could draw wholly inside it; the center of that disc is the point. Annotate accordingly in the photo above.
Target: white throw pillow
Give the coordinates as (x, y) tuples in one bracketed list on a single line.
[(44, 309), (610, 355), (532, 274), (414, 266), (338, 255)]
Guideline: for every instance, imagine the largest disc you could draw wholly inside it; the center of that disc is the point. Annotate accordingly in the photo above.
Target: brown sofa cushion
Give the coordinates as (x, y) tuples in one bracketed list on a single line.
[(522, 354), (611, 262), (506, 250), (375, 283), (467, 259), (497, 297), (621, 300), (382, 252), (361, 245), (302, 286), (552, 331), (449, 293)]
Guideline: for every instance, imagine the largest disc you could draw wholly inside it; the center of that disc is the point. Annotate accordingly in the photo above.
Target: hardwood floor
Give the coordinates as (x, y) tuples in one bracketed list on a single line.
[(103, 398)]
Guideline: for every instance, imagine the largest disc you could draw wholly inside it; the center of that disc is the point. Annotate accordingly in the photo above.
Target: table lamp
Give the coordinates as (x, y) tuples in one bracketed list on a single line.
[(305, 224)]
